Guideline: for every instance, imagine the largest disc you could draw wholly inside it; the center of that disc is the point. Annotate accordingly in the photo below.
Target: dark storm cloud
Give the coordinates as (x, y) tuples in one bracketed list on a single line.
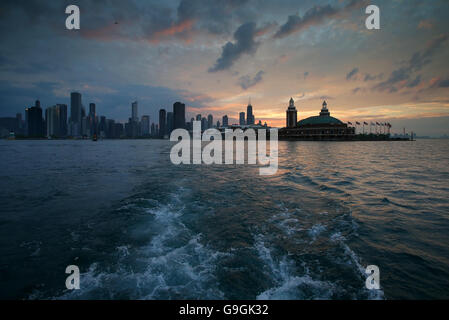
[(244, 44), (440, 83), (414, 83), (370, 77), (352, 73), (418, 60), (33, 9), (312, 16), (212, 16), (108, 20), (444, 83), (315, 16), (247, 82)]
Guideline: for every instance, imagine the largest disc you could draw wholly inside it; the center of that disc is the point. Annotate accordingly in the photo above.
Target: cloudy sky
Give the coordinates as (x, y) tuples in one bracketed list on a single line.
[(215, 55)]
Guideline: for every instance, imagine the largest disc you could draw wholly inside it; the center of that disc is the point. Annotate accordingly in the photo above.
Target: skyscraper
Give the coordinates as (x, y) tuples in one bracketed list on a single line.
[(35, 121), (210, 121), (242, 119), (225, 121), (153, 130), (56, 120), (75, 114), (170, 123), (203, 124), (62, 120), (145, 126), (198, 117), (133, 122), (102, 126), (75, 107), (91, 121), (134, 115), (162, 120), (52, 121), (179, 115), (92, 110), (249, 115)]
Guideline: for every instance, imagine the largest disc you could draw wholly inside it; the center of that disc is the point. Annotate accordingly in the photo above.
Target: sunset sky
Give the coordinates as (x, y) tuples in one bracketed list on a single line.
[(215, 55)]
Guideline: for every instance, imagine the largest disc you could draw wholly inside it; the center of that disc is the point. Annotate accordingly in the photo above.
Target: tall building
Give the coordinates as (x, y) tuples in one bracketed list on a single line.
[(134, 114), (35, 121), (218, 123), (102, 126), (170, 123), (110, 128), (91, 121), (249, 115), (153, 130), (56, 121), (198, 117), (292, 114), (52, 121), (62, 119), (189, 125), (203, 124), (75, 107), (85, 130), (162, 124), (92, 110), (145, 126), (118, 130), (242, 119), (225, 121), (179, 115), (83, 112), (76, 110), (133, 127), (210, 121)]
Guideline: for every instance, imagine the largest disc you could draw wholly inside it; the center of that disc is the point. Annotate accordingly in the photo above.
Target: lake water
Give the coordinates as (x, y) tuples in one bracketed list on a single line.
[(139, 227)]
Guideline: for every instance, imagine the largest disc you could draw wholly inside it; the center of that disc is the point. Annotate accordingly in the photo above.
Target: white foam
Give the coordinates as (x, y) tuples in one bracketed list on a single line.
[(372, 294), (315, 231), (173, 265), (288, 285)]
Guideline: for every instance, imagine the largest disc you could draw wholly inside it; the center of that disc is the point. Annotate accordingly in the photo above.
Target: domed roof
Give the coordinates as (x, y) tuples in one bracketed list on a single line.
[(324, 118), (319, 120)]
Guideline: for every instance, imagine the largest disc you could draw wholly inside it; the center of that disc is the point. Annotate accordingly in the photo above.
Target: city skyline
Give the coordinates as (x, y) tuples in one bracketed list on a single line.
[(73, 121), (57, 121), (189, 51)]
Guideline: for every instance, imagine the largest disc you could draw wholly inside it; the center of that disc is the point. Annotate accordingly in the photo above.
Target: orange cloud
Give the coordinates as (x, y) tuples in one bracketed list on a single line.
[(177, 29)]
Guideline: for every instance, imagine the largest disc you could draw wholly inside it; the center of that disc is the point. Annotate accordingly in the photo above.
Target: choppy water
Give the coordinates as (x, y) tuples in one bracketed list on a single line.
[(141, 228)]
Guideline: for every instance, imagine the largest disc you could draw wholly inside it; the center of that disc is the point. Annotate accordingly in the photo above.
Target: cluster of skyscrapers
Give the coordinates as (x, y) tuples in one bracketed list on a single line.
[(250, 120), (206, 122), (56, 122)]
